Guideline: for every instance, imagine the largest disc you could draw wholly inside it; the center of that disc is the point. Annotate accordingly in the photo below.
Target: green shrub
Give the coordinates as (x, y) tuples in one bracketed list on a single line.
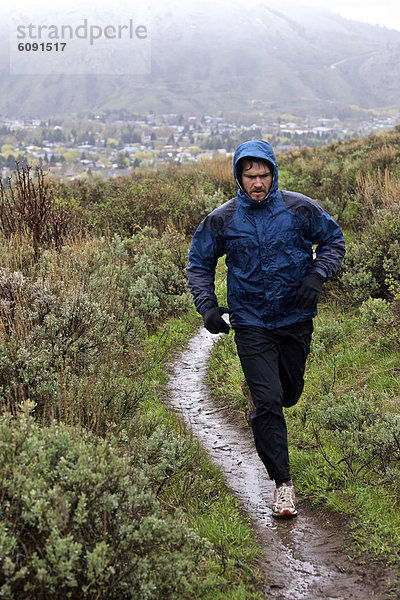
[(57, 332), (144, 276), (324, 337), (366, 440), (381, 318), (177, 197), (79, 518), (372, 262), (67, 322), (22, 301), (44, 330), (158, 281), (353, 180)]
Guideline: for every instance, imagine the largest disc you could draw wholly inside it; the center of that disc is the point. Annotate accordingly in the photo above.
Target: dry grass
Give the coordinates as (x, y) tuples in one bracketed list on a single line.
[(379, 190), (219, 168)]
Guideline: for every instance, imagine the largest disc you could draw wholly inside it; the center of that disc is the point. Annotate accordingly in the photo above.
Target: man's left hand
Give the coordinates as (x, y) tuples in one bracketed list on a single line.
[(310, 288)]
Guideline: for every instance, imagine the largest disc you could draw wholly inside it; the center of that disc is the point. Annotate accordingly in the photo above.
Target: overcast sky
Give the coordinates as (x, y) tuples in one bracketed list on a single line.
[(376, 12)]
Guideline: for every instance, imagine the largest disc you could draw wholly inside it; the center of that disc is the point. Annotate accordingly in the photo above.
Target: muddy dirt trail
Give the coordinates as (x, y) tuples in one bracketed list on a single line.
[(302, 558)]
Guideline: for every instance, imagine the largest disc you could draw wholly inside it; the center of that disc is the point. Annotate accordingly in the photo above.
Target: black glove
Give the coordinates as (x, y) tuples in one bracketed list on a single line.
[(213, 321), (310, 288)]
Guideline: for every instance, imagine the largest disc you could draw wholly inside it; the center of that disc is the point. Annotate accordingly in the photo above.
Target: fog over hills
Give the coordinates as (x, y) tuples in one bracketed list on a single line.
[(221, 56)]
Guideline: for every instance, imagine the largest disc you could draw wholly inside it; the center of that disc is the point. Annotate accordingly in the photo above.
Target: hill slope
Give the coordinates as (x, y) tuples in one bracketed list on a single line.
[(211, 57)]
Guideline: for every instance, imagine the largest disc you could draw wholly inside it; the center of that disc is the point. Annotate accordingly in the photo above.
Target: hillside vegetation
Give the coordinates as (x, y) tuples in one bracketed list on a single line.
[(103, 494)]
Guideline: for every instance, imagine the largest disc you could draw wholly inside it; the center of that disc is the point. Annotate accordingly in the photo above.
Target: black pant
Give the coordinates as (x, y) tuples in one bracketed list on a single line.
[(273, 363)]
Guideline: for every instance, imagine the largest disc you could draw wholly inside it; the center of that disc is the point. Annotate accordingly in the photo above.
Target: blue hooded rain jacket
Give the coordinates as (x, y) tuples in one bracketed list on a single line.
[(268, 247)]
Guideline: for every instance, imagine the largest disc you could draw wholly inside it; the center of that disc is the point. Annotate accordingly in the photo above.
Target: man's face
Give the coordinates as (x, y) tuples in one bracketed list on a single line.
[(256, 179)]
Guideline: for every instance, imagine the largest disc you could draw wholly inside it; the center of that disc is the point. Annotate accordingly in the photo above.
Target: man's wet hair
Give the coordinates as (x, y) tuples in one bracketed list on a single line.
[(252, 160)]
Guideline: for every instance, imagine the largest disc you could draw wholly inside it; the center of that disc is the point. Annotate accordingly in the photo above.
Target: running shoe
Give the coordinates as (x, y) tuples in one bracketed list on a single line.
[(284, 505)]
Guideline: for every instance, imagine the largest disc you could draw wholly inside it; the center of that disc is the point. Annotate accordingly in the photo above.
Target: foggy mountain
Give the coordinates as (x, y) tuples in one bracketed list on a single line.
[(221, 56)]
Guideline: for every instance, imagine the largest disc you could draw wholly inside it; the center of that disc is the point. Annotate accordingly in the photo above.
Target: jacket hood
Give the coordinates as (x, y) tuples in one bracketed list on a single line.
[(256, 149)]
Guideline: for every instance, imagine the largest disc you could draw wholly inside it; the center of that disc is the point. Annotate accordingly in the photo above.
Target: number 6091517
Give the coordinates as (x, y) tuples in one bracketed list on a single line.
[(42, 46)]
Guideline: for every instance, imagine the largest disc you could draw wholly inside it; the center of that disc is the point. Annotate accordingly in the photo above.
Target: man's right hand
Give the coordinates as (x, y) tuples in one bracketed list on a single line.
[(213, 321)]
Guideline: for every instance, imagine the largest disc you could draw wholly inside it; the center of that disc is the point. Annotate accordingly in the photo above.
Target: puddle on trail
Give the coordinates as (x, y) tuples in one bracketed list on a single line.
[(301, 557)]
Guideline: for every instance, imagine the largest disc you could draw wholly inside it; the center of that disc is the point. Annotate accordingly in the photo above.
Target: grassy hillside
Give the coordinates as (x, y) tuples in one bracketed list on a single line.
[(103, 495), (101, 489)]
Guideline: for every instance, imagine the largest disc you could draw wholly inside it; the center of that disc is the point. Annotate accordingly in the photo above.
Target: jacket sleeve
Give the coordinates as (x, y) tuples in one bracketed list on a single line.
[(330, 250), (204, 252)]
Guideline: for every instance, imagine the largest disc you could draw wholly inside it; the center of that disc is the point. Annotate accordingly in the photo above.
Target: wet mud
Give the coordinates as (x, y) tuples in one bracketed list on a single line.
[(302, 558)]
